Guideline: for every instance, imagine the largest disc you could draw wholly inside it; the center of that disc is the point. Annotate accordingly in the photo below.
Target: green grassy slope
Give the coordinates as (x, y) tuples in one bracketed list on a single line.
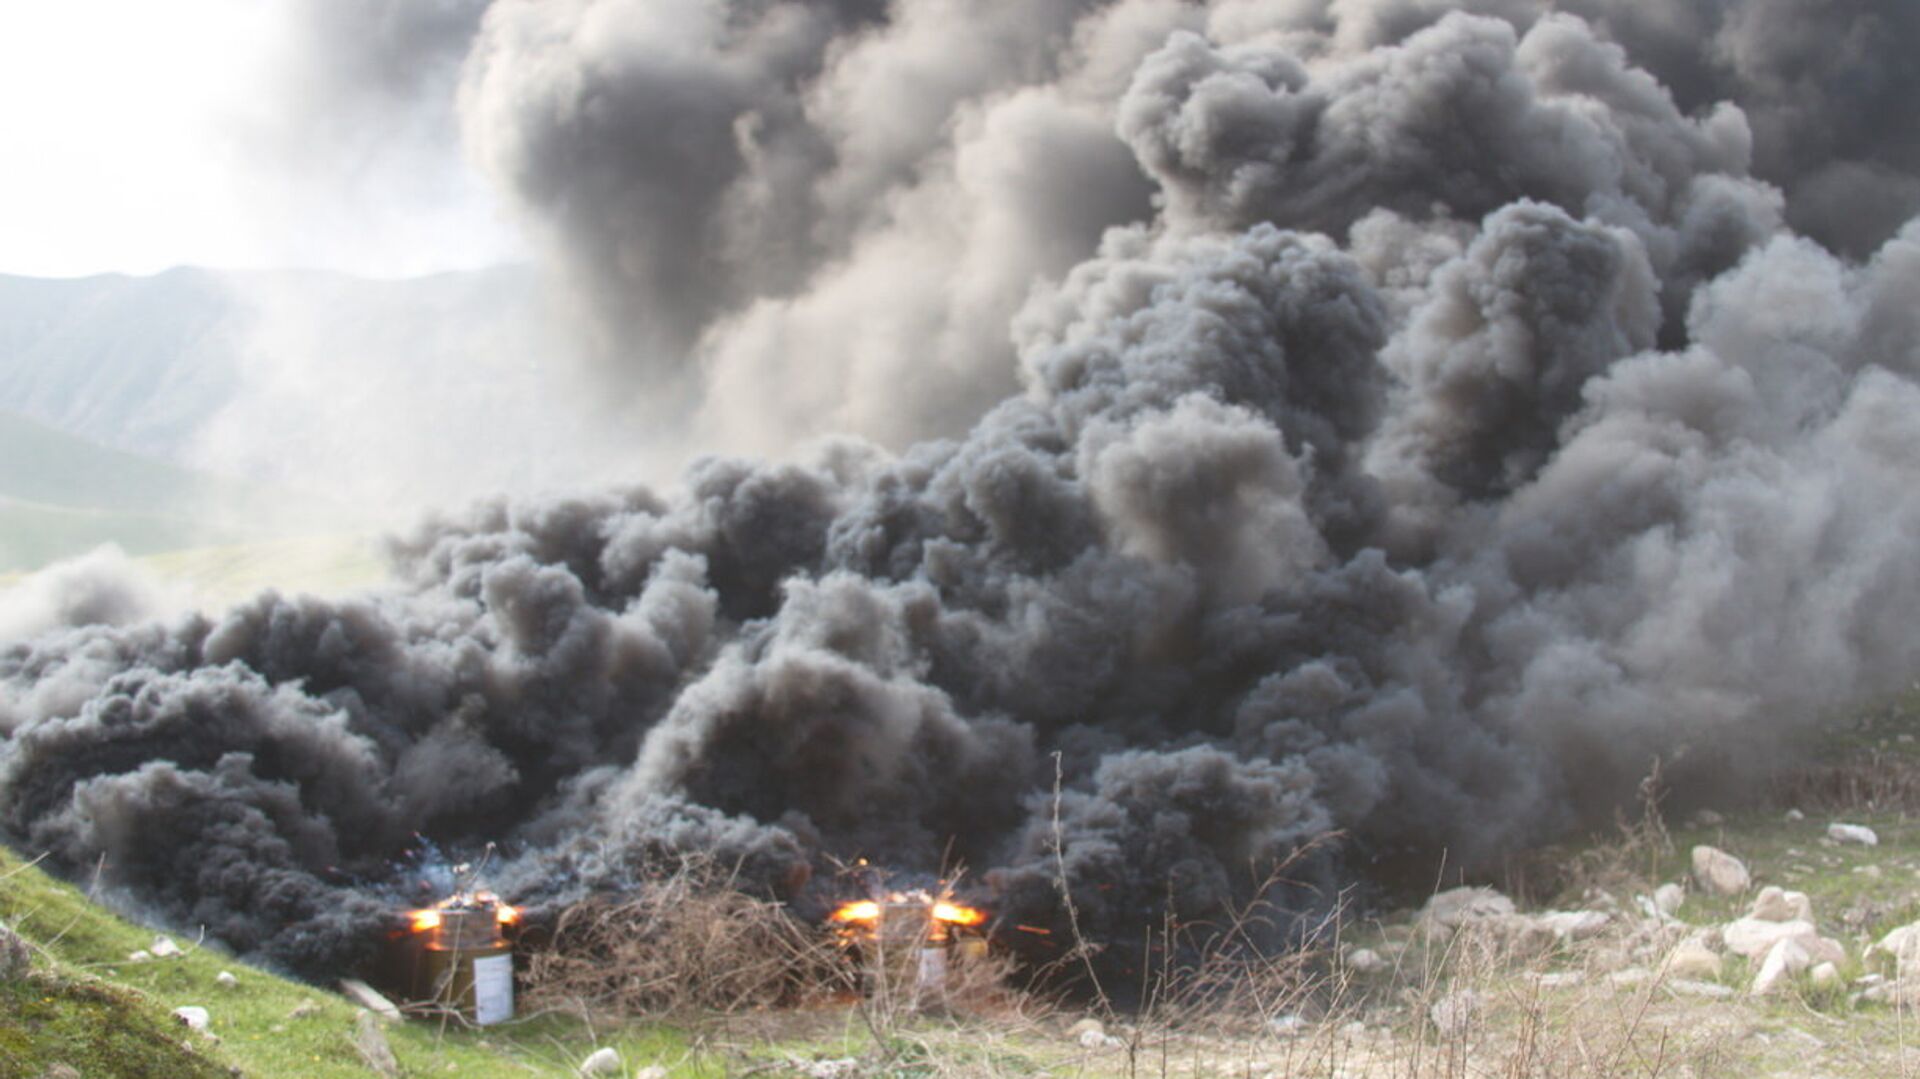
[(88, 1007), (61, 496)]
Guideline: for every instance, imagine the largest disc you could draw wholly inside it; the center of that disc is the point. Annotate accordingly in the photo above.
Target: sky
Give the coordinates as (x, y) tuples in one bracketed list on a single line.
[(139, 136)]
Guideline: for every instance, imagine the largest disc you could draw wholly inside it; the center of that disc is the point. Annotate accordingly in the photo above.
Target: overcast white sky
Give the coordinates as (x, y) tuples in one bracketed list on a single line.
[(134, 136)]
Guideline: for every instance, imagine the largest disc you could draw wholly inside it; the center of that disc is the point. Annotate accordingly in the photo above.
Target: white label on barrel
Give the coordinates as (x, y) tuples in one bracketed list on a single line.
[(493, 989)]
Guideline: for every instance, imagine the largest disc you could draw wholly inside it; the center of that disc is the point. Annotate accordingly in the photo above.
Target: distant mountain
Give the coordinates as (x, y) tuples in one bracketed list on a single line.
[(118, 394), (137, 363)]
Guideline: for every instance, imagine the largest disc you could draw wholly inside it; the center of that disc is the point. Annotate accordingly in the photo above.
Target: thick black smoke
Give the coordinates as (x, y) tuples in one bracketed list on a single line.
[(1406, 421)]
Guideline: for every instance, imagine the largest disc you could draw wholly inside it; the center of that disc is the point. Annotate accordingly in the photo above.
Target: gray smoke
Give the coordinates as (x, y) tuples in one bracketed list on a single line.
[(1374, 417)]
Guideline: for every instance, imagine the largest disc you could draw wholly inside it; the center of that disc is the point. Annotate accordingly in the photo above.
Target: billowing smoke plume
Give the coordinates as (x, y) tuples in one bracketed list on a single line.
[(1375, 417)]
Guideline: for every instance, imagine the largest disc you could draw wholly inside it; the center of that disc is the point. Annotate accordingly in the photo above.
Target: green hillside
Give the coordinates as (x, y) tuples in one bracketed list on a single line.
[(61, 496)]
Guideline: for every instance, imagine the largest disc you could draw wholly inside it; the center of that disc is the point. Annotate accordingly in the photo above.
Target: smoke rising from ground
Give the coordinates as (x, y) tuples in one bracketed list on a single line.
[(1380, 417)]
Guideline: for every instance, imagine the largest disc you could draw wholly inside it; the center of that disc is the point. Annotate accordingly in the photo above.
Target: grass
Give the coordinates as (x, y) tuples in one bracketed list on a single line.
[(1596, 1009), (266, 1025)]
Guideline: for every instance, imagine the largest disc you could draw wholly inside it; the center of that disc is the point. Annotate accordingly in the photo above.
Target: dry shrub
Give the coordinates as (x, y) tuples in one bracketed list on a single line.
[(685, 942), (1871, 779)]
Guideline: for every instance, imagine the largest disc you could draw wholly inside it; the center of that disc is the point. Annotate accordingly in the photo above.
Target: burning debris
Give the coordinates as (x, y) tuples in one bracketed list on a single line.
[(456, 957), (911, 942), (1374, 418)]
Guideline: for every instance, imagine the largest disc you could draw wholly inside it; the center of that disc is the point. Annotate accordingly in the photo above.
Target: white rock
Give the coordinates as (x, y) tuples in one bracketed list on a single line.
[(1559, 979), (1775, 904), (601, 1062), (1902, 948), (1785, 959), (369, 998), (1573, 924), (164, 948), (651, 1071), (1707, 818), (836, 1068), (1365, 961), (1824, 976), (1825, 950), (1630, 976), (1688, 987), (1852, 833), (194, 1018), (141, 956), (225, 979), (1795, 815), (1287, 1026), (1753, 937), (1091, 1039), (1454, 1013), (1087, 1026), (1694, 960), (1456, 907), (1719, 873), (1668, 898)]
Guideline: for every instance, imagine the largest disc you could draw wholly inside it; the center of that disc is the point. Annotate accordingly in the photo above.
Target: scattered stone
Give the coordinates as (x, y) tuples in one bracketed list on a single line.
[(1795, 815), (1871, 872), (1719, 873), (1456, 907), (226, 980), (1707, 818), (164, 948), (1668, 898), (371, 1043), (1785, 959), (1091, 1039), (369, 998), (1688, 987), (651, 1071), (15, 956), (1824, 976), (836, 1068), (1355, 1029), (306, 1009), (1754, 937), (1365, 961), (194, 1018), (1825, 950), (1775, 904), (141, 956), (1573, 924), (1692, 959), (1631, 976), (1287, 1026), (601, 1062), (60, 1071), (1087, 1026), (1454, 1013), (1559, 979), (1852, 833)]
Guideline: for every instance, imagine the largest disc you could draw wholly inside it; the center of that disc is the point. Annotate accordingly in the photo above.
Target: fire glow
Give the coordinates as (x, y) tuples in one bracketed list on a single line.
[(429, 919), (867, 914)]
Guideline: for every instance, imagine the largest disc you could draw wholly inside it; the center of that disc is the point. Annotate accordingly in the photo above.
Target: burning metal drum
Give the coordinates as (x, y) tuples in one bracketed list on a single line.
[(462, 960), (911, 940)]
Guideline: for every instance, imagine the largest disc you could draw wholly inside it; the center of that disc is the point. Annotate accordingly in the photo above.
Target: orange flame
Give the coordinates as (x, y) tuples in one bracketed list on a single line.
[(862, 910), (428, 919), (954, 914)]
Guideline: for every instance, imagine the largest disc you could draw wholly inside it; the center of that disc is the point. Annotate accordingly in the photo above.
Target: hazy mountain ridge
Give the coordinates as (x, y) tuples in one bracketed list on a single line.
[(135, 363)]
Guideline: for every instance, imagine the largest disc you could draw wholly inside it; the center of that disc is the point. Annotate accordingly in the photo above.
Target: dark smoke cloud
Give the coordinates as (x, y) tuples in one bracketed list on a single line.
[(1403, 420)]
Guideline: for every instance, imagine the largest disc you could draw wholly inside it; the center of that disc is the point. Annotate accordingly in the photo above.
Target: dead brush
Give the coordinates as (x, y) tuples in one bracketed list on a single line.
[(687, 942)]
